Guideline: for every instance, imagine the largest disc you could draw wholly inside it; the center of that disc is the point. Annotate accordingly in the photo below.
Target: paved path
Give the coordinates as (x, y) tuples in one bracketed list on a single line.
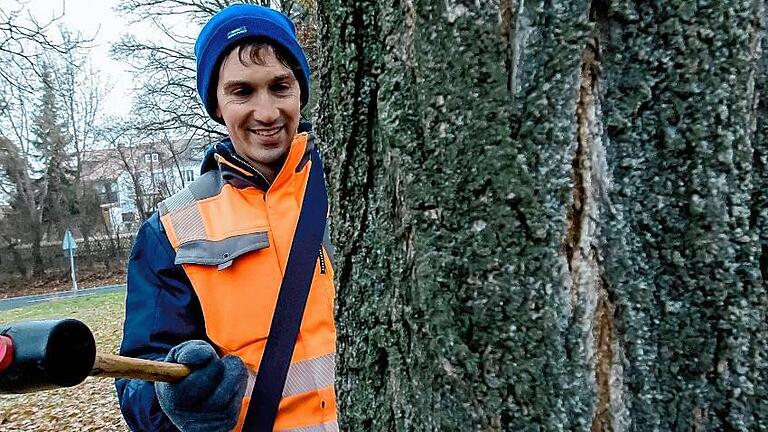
[(17, 302)]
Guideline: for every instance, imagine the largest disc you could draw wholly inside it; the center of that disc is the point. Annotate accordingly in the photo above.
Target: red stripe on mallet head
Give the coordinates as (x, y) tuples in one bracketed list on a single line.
[(6, 352)]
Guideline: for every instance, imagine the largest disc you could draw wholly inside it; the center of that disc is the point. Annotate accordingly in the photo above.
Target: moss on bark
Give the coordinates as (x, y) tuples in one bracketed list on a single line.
[(549, 215)]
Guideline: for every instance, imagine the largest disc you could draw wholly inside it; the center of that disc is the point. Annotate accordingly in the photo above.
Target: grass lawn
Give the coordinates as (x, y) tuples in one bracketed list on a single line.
[(90, 406)]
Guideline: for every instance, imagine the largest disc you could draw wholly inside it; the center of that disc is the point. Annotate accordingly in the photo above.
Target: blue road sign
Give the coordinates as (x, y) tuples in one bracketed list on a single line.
[(69, 241), (69, 245)]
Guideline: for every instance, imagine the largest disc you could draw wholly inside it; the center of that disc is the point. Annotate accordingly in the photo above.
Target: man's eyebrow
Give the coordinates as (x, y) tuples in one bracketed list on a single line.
[(233, 84), (230, 85), (282, 77)]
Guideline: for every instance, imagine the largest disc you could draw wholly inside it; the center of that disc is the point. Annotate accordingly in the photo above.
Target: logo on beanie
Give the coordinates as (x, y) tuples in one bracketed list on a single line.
[(237, 31)]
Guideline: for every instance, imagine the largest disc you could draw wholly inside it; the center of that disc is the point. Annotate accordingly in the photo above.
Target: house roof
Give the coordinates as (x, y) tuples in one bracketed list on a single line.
[(107, 163)]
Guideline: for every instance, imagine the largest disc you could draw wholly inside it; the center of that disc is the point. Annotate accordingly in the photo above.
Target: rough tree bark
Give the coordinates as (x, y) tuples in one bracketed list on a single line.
[(548, 215)]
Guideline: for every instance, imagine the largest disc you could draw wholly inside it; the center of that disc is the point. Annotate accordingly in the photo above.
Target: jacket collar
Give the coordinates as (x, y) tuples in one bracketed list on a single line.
[(241, 174)]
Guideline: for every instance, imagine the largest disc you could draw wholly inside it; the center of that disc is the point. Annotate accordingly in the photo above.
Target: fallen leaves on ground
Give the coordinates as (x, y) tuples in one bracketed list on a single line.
[(86, 278), (90, 406)]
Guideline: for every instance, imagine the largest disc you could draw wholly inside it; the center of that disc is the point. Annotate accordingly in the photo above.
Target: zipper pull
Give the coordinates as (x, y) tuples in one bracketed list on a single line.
[(322, 261)]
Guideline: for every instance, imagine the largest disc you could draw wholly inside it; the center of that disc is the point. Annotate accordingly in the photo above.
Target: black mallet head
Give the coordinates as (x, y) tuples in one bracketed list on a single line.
[(41, 355)]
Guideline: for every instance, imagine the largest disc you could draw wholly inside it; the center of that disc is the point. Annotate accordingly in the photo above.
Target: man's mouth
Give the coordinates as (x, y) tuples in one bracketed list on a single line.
[(266, 132)]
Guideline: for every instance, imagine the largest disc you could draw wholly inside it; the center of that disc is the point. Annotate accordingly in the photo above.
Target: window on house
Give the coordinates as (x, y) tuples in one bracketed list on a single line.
[(106, 192), (129, 217), (155, 157), (112, 192), (147, 157), (189, 175)]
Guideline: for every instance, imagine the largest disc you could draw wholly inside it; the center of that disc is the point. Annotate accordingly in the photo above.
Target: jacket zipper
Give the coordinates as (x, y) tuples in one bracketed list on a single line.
[(322, 261)]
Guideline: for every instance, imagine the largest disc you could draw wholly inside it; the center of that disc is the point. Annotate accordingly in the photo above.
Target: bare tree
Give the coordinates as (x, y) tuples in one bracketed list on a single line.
[(24, 222), (18, 180), (197, 10), (175, 151), (81, 93), (24, 41), (49, 99), (167, 99), (35, 168), (123, 138), (53, 164)]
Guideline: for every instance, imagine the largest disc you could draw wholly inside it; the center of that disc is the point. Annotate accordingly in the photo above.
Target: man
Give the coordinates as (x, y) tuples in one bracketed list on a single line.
[(206, 270)]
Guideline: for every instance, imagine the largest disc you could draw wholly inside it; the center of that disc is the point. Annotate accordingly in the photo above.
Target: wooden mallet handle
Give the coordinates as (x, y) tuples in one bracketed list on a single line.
[(109, 365)]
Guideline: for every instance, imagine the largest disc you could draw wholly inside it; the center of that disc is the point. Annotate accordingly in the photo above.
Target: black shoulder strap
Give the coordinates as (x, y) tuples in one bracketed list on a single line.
[(270, 379)]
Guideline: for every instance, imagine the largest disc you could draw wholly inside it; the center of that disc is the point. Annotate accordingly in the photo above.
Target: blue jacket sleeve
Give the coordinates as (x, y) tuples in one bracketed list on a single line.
[(161, 311)]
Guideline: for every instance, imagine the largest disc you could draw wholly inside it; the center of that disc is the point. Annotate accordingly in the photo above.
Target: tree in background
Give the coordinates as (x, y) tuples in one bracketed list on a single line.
[(37, 172), (148, 181), (549, 215), (20, 178), (175, 150), (121, 137), (24, 42), (46, 122), (50, 140), (80, 91)]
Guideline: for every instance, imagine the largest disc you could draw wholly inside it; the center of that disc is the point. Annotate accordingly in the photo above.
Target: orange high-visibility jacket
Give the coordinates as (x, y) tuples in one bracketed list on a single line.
[(233, 241)]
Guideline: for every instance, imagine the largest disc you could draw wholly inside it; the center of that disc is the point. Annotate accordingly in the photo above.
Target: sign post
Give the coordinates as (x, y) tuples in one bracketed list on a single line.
[(69, 245)]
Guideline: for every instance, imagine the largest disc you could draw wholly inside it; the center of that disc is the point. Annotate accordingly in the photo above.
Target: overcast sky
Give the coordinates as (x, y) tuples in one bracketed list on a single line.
[(97, 19)]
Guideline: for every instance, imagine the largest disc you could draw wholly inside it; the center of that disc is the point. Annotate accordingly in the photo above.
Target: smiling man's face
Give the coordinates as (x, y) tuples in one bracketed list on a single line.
[(260, 105)]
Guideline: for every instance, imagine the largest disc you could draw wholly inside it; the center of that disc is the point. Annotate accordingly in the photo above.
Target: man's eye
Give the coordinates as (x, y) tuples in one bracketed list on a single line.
[(280, 88), (241, 91)]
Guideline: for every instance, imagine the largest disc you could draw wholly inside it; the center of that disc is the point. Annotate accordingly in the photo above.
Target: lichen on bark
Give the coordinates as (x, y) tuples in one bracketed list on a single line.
[(679, 247), (549, 215)]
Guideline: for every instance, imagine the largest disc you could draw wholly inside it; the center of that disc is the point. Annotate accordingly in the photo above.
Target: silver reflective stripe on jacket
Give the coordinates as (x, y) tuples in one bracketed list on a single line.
[(308, 375), (331, 426), (187, 221), (205, 186), (188, 224), (304, 376), (182, 208)]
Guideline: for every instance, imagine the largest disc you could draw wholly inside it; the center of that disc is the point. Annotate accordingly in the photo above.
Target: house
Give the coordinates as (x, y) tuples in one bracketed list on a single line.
[(130, 181)]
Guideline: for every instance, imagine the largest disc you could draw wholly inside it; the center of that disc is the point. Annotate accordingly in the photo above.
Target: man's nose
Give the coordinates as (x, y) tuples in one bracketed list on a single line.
[(264, 109)]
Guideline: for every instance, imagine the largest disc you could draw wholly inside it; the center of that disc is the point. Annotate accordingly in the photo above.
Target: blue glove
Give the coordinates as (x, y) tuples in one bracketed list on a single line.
[(210, 397)]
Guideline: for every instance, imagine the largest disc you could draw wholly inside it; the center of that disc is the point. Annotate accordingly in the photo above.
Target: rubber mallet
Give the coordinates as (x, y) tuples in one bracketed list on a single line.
[(42, 355)]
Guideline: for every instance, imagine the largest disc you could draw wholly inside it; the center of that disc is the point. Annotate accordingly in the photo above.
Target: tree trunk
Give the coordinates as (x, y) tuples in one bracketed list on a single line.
[(18, 260), (38, 267), (548, 215)]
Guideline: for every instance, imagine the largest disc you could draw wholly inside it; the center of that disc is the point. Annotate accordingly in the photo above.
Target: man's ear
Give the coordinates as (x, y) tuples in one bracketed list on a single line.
[(218, 111)]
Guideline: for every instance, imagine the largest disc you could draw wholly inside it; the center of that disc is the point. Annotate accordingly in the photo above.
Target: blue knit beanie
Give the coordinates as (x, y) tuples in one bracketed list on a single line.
[(233, 24)]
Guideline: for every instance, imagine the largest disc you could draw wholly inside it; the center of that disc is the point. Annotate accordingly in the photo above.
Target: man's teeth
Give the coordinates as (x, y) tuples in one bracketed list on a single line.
[(267, 132)]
